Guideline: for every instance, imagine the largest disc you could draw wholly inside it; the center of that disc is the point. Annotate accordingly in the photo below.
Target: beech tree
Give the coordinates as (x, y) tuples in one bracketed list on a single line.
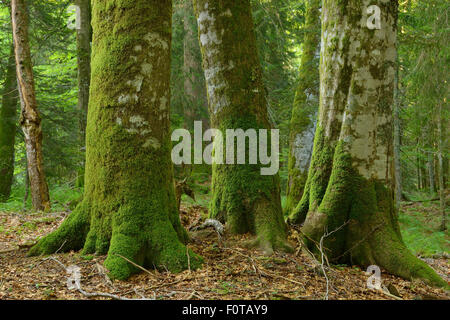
[(243, 198), (349, 202), (30, 118), (305, 108), (129, 208), (8, 122)]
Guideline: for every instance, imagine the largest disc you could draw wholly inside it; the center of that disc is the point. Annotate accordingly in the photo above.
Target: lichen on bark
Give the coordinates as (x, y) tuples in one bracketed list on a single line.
[(351, 180), (30, 119), (243, 198), (129, 206)]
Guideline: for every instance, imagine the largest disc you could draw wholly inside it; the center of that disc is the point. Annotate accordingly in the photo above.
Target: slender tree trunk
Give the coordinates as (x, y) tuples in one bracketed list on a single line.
[(195, 108), (30, 118), (419, 171), (397, 139), (243, 198), (442, 147), (129, 206), (27, 185), (84, 37), (430, 167), (423, 174), (8, 122), (351, 202), (304, 110)]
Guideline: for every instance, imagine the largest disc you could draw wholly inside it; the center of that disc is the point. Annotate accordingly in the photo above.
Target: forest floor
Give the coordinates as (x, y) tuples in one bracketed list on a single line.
[(230, 271)]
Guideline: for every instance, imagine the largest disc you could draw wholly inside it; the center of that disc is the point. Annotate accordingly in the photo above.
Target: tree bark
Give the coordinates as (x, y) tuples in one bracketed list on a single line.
[(195, 108), (243, 198), (129, 205), (304, 110), (8, 120), (397, 139), (442, 147), (351, 200), (30, 118), (84, 37)]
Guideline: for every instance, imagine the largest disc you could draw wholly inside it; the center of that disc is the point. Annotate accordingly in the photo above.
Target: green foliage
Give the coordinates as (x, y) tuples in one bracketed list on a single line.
[(418, 224), (424, 58), (63, 197)]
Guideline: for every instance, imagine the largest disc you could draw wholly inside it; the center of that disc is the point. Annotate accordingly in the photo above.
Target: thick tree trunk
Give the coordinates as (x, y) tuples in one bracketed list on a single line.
[(129, 205), (195, 108), (304, 110), (30, 118), (8, 120), (351, 200), (84, 37), (243, 198)]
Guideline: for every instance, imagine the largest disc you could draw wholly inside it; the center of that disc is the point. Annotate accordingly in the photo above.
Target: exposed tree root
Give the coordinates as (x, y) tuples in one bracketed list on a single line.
[(141, 239)]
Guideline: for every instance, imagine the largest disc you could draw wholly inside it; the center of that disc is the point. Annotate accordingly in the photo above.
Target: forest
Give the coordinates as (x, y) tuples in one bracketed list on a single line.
[(223, 149)]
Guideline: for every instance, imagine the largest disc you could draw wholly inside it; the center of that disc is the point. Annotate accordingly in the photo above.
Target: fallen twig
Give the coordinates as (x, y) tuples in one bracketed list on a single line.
[(135, 264)]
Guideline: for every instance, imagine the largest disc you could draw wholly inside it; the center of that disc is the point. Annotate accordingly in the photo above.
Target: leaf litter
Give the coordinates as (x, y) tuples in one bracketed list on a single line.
[(230, 271)]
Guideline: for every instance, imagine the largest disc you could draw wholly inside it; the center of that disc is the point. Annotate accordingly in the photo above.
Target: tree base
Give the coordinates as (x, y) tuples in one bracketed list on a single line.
[(357, 238), (269, 246), (137, 234)]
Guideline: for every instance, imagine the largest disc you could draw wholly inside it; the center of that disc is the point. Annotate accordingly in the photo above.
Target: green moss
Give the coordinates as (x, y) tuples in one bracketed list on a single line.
[(236, 98), (129, 206), (318, 177), (296, 187), (305, 107), (69, 236), (371, 234)]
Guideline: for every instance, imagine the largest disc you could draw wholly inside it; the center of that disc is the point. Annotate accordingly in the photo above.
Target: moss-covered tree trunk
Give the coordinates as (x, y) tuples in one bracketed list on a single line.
[(352, 174), (84, 37), (129, 206), (304, 110), (30, 118), (8, 121), (243, 198)]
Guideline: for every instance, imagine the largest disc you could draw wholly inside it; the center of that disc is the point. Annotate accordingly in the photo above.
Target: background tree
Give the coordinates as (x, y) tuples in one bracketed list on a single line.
[(241, 196), (8, 122), (30, 118), (305, 108), (424, 59), (84, 37), (129, 206), (351, 180)]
